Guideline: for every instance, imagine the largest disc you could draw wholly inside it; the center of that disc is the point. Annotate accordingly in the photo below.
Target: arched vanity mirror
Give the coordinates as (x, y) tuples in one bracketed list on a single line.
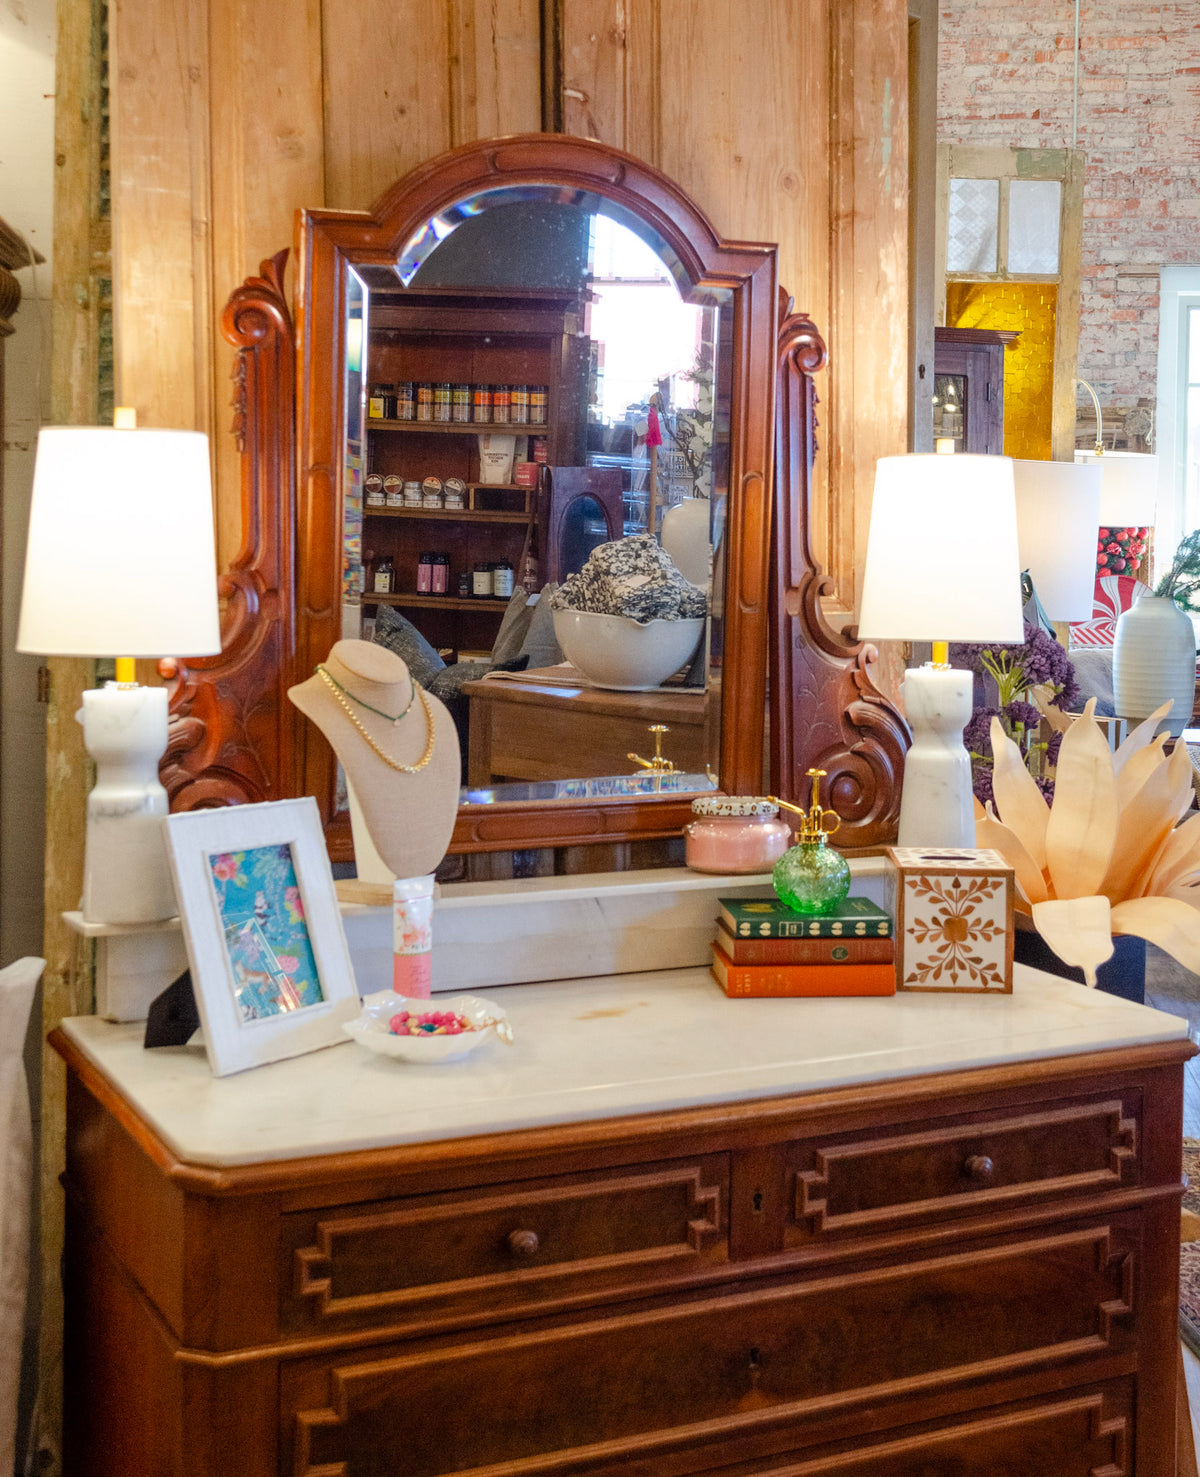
[(479, 364)]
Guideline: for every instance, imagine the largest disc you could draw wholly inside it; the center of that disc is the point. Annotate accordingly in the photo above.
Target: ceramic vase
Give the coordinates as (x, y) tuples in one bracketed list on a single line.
[(1154, 658), (685, 538)]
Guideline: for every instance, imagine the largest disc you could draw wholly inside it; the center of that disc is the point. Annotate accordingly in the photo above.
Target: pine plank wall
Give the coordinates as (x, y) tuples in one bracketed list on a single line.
[(785, 119)]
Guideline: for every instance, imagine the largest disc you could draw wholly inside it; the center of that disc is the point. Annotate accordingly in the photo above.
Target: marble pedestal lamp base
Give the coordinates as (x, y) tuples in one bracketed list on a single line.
[(937, 805)]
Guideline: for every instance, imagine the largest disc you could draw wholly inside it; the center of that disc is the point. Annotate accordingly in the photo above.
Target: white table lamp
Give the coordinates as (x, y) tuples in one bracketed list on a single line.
[(942, 565), (121, 562), (1058, 513), (1128, 486)]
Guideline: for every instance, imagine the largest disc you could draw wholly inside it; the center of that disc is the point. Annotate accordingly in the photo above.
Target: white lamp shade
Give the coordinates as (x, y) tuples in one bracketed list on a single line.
[(1058, 513), (942, 561), (1128, 489), (121, 558)]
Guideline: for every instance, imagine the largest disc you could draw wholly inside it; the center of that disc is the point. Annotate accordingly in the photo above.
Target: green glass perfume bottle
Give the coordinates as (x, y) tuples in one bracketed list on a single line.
[(811, 877)]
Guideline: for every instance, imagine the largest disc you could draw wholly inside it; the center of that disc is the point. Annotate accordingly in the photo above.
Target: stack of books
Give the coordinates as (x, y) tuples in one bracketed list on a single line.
[(763, 948)]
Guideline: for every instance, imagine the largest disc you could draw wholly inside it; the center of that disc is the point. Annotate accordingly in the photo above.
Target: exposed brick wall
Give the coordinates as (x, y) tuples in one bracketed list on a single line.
[(1005, 77)]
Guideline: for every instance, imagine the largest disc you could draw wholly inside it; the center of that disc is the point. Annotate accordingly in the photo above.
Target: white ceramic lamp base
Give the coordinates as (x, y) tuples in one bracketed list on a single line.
[(126, 877), (937, 806)]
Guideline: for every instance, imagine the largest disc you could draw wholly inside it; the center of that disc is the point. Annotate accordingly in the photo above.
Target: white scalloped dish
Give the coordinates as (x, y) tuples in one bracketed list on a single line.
[(371, 1029)]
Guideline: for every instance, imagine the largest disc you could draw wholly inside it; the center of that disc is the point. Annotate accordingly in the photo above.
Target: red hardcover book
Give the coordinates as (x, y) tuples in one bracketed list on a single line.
[(805, 951), (756, 981)]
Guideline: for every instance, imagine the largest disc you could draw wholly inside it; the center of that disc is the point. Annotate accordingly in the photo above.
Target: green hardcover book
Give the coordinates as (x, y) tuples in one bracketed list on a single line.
[(766, 918)]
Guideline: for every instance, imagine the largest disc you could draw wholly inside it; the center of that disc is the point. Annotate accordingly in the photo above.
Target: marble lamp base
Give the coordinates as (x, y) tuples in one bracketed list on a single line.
[(937, 806), (126, 876)]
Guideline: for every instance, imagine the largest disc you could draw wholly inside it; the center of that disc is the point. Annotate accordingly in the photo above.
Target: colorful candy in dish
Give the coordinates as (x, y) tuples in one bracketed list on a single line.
[(423, 1030)]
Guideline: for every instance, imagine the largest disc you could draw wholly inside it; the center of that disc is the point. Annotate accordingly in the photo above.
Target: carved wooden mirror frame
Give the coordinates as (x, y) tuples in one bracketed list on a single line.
[(235, 737)]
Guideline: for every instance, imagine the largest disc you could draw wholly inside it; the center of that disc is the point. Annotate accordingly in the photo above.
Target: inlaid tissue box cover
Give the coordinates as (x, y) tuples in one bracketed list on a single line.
[(954, 919)]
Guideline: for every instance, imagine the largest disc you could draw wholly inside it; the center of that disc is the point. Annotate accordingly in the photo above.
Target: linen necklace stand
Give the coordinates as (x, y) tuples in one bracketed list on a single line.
[(403, 772)]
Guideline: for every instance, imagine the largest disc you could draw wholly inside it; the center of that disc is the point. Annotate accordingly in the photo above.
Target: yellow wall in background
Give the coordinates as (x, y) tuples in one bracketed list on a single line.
[(1029, 309)]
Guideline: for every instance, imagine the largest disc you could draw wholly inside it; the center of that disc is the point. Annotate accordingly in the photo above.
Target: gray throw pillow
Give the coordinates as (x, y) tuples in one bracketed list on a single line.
[(401, 636), (540, 645), (513, 626)]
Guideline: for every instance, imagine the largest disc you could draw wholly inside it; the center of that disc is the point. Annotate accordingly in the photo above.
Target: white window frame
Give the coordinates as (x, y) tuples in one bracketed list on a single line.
[(1179, 290)]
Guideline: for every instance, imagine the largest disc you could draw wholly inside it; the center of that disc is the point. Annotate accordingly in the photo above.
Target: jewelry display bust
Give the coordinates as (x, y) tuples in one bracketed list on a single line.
[(398, 747)]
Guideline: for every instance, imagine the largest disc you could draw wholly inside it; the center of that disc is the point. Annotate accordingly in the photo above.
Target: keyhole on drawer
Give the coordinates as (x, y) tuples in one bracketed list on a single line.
[(755, 1359), (758, 1202)]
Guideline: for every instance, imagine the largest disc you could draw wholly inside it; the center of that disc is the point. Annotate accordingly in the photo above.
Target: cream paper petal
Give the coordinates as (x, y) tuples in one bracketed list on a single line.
[(1021, 805), (1172, 925), (1186, 889), (1140, 735), (994, 833), (1084, 817), (1054, 716), (1147, 822), (1179, 856), (1079, 931), (1138, 768)]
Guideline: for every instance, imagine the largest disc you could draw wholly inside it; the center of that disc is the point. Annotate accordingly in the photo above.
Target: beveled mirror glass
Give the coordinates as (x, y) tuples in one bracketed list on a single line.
[(512, 361)]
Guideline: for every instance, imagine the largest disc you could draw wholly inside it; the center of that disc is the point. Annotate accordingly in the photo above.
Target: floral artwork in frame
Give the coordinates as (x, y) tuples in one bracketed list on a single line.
[(270, 968), (271, 958)]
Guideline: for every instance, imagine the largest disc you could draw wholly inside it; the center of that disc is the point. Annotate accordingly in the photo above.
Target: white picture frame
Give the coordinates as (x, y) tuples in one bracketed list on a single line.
[(267, 951)]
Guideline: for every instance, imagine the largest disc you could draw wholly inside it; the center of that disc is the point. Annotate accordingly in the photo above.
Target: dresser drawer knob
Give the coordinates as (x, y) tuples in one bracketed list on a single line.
[(979, 1167), (523, 1243)]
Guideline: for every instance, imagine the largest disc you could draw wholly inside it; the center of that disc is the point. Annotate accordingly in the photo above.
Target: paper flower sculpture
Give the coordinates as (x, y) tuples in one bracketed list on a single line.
[(1108, 856)]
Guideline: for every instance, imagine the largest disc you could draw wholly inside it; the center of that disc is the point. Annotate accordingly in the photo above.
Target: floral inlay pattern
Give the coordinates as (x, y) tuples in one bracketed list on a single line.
[(959, 927)]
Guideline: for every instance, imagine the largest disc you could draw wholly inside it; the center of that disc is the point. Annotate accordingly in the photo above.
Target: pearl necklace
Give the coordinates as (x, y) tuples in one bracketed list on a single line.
[(340, 695)]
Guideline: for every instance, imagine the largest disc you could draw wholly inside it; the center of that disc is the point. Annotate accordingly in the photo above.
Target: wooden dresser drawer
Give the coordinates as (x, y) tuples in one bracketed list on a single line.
[(858, 1182), (648, 1382), (1079, 1434), (490, 1255)]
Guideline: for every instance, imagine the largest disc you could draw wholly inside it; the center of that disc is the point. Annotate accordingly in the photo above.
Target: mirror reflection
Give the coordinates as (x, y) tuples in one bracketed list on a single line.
[(536, 480)]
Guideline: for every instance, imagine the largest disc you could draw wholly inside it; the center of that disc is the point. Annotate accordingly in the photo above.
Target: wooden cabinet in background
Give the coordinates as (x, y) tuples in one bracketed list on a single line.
[(974, 1272), (968, 388)]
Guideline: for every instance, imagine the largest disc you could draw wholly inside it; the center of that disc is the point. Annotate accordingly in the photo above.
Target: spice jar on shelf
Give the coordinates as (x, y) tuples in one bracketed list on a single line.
[(425, 573), (424, 402), (518, 405), (481, 580), (393, 489), (383, 581), (406, 404), (502, 578), (482, 404), (440, 574)]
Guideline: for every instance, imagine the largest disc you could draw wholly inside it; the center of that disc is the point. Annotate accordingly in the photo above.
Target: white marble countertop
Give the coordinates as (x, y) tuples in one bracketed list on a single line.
[(600, 1048)]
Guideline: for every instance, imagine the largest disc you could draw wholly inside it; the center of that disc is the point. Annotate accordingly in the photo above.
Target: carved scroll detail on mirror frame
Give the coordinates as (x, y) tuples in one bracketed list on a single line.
[(230, 736), (826, 712)]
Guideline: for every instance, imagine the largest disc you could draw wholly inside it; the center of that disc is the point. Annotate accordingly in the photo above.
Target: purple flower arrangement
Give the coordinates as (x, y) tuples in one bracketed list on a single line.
[(1009, 672)]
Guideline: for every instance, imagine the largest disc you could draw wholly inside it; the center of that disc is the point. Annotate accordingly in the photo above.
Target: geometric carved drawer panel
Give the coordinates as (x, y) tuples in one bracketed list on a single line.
[(1087, 1435), (639, 1384), (852, 1184), (506, 1249)]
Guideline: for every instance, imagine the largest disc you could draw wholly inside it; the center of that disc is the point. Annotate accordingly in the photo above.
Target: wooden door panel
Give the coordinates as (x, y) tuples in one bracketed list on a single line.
[(645, 1383)]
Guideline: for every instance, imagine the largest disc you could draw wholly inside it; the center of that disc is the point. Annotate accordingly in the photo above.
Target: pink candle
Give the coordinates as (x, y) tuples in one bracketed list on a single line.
[(412, 936), (735, 833)]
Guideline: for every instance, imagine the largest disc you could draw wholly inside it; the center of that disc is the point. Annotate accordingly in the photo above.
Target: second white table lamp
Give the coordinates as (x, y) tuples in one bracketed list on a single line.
[(942, 566)]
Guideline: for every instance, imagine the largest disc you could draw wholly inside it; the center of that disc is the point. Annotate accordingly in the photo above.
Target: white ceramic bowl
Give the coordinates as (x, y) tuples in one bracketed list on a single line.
[(618, 652), (371, 1027)]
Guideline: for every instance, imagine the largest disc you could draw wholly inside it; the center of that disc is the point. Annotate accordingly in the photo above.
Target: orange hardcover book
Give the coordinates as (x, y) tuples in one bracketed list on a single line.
[(804, 950), (757, 981)]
